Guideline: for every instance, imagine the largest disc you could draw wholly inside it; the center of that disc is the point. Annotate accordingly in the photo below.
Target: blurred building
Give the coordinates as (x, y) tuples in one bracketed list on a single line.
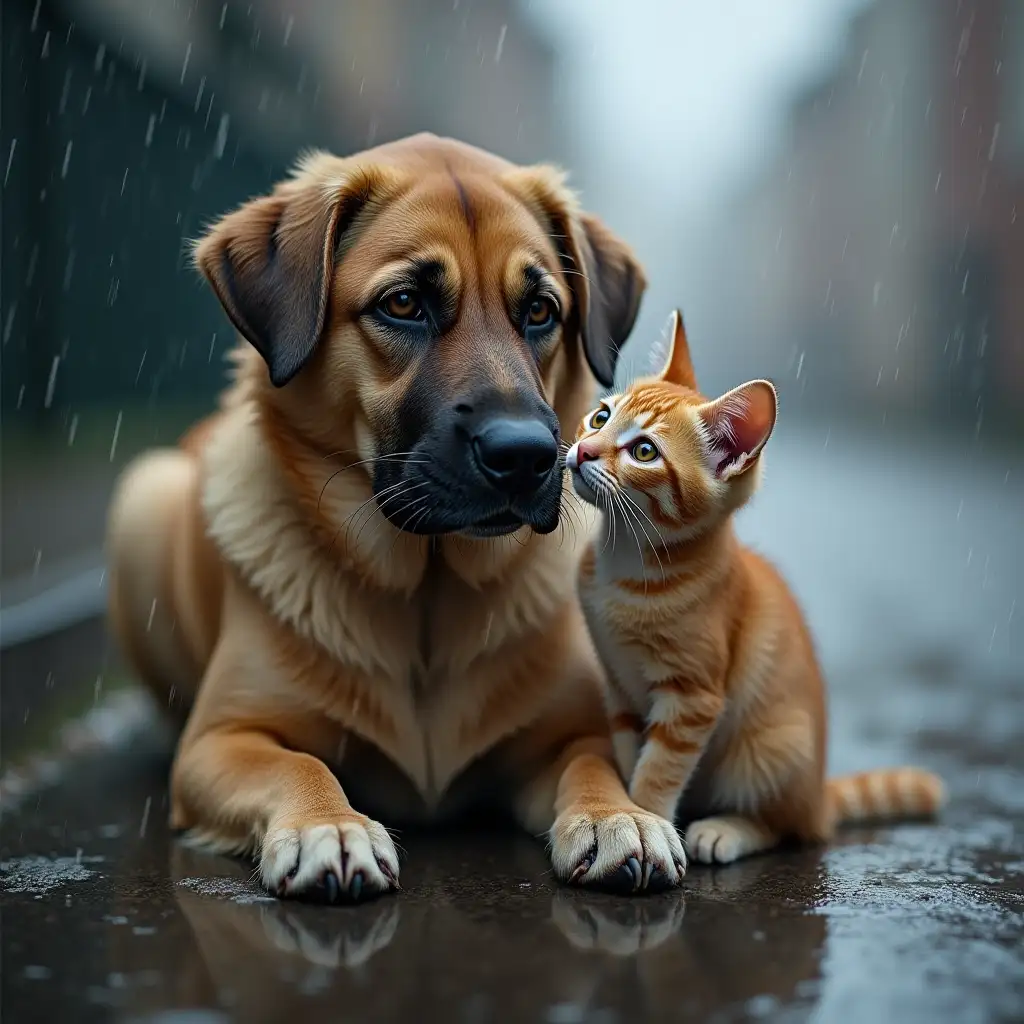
[(882, 256), (127, 125)]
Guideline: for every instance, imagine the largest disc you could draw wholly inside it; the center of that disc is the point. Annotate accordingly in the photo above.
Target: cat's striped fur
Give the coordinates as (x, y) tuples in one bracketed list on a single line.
[(713, 688)]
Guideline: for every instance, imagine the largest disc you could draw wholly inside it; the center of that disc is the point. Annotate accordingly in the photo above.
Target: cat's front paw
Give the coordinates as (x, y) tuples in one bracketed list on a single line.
[(625, 849)]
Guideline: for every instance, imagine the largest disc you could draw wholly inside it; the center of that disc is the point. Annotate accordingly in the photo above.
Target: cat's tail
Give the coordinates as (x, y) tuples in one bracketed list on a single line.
[(884, 794)]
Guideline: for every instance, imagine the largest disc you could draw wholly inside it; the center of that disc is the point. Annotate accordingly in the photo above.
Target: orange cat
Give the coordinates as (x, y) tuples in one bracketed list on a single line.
[(714, 690)]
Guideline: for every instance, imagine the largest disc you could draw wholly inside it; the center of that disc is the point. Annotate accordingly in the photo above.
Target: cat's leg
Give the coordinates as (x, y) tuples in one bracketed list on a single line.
[(681, 721), (626, 726), (723, 839)]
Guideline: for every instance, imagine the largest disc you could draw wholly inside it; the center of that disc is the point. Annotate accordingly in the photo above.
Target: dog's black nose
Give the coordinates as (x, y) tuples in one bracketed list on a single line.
[(516, 456)]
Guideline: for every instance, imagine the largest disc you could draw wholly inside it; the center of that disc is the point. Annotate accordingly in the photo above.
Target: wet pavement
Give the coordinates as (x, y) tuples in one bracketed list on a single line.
[(911, 586)]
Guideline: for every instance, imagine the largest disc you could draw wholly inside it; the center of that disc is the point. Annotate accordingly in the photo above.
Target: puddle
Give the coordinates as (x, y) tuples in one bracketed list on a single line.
[(43, 874), (226, 888)]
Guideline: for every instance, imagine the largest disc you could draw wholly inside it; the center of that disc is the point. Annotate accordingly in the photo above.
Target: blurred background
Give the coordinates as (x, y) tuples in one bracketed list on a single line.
[(832, 190)]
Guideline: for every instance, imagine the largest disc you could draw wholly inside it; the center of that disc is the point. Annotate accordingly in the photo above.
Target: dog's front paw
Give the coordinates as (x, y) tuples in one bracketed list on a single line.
[(623, 849), (335, 861)]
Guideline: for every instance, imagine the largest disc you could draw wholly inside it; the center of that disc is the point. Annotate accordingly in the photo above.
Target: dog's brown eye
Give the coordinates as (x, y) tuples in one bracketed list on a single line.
[(644, 451), (540, 313), (404, 305), (600, 418)]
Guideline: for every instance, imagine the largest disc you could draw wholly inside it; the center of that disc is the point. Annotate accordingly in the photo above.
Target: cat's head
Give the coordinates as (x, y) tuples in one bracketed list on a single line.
[(684, 460)]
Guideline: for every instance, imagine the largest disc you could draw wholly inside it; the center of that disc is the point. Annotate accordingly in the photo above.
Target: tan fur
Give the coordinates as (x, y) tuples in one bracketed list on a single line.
[(326, 659), (703, 642)]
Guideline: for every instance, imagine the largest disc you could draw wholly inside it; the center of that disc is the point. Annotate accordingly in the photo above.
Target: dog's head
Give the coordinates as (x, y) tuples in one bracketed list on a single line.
[(436, 309)]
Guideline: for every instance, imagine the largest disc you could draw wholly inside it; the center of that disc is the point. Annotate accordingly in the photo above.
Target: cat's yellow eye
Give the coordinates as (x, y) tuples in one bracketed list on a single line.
[(600, 418), (644, 451)]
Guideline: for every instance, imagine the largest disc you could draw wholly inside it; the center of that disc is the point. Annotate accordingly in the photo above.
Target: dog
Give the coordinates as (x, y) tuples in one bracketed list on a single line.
[(355, 580)]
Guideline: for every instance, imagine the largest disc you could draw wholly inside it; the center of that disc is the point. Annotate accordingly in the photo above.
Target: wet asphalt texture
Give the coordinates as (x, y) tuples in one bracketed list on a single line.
[(908, 569)]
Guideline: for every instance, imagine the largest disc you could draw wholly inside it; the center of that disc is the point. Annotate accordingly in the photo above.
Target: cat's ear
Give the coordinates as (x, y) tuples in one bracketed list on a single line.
[(670, 355), (738, 426)]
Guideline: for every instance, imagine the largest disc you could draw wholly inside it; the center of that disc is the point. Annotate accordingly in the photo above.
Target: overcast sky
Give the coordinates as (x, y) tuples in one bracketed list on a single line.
[(674, 104)]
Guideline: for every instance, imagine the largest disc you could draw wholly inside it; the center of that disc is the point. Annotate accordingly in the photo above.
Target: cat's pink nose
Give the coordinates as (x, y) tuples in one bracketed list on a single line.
[(587, 452)]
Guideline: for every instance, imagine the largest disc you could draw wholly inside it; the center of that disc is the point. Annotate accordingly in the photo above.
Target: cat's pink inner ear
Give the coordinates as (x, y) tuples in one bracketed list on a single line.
[(740, 422)]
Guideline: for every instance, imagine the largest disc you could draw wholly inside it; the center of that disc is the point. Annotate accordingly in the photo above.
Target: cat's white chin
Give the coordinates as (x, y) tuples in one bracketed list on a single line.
[(582, 489)]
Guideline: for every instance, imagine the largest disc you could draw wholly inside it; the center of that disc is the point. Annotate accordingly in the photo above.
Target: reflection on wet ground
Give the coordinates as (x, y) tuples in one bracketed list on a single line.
[(109, 918)]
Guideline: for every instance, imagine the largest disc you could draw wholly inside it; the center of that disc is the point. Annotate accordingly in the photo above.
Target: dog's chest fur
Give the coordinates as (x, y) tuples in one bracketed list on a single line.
[(435, 663)]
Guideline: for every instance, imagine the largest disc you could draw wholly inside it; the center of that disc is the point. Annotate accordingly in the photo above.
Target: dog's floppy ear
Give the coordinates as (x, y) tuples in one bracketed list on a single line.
[(606, 279), (271, 261)]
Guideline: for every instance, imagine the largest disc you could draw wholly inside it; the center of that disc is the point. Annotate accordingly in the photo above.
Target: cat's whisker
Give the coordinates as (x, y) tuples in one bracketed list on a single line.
[(650, 543), (636, 537)]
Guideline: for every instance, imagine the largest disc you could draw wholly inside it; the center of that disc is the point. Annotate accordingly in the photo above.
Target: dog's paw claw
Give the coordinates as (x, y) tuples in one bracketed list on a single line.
[(634, 851), (332, 862)]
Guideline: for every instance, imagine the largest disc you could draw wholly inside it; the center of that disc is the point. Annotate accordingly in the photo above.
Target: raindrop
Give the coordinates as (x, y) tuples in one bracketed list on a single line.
[(149, 130), (799, 365), (101, 52), (878, 380), (117, 431), (142, 362), (863, 62), (51, 383), (501, 44), (9, 323), (199, 94), (62, 106), (960, 510), (143, 67), (74, 430), (35, 16), (222, 136), (223, 15), (33, 261), (213, 341), (963, 287), (45, 51), (88, 96), (145, 817), (21, 396), (992, 144), (124, 180), (184, 66), (10, 160), (68, 270), (938, 178), (152, 613), (288, 25)]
